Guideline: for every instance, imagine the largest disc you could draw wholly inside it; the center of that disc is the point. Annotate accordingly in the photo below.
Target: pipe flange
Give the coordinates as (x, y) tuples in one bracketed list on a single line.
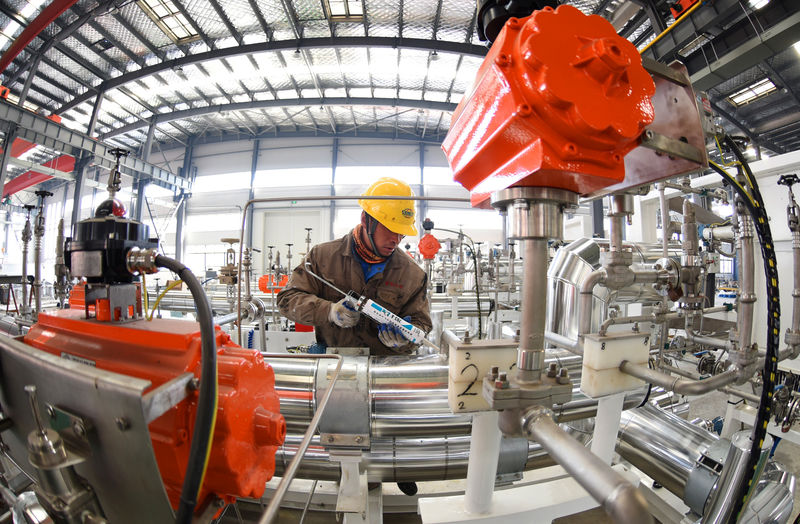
[(669, 278), (534, 212), (255, 309)]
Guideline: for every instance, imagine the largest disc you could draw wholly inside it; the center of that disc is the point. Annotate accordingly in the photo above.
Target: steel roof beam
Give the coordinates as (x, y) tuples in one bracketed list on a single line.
[(227, 21), (297, 102), (738, 50), (302, 43), (708, 18), (195, 25), (602, 7), (40, 130), (779, 82), (635, 23)]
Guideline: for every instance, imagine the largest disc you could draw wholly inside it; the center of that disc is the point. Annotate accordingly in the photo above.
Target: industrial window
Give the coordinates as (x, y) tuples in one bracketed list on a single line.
[(307, 176), (221, 182), (365, 175), (344, 10), (169, 19), (752, 92), (438, 176)]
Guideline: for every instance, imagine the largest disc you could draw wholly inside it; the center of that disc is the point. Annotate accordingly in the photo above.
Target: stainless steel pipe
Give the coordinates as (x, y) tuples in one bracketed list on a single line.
[(530, 357), (747, 297), (619, 498), (683, 386)]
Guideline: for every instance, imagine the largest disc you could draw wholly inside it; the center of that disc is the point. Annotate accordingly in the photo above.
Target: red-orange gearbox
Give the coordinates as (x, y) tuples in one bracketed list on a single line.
[(428, 246), (249, 426), (558, 102)]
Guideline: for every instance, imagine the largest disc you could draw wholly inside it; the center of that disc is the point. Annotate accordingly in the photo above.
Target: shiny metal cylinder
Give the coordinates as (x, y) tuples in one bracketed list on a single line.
[(571, 266), (534, 212), (530, 358), (37, 273), (747, 297), (226, 319), (416, 459), (23, 308), (662, 445), (619, 498), (407, 394), (773, 498), (795, 327), (720, 506), (719, 233), (665, 221), (620, 205), (615, 232), (689, 239)]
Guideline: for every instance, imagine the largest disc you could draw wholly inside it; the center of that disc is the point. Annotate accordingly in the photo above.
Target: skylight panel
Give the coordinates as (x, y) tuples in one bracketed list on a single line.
[(344, 10), (169, 19), (752, 92)]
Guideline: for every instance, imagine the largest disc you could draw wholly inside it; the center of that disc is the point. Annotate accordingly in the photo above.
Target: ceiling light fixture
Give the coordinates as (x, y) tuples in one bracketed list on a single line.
[(758, 4), (169, 19), (752, 92), (344, 10)]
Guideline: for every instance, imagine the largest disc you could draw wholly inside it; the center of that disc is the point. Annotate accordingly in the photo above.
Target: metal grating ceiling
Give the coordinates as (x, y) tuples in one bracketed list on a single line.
[(290, 70)]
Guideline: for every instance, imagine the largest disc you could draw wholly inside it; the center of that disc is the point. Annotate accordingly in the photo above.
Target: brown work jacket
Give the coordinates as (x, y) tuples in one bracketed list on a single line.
[(401, 288)]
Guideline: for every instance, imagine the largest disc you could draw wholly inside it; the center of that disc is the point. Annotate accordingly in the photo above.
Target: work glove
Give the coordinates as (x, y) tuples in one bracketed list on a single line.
[(391, 336), (343, 315)]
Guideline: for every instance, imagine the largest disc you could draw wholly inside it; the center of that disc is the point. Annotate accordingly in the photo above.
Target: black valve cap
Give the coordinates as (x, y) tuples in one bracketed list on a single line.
[(427, 224)]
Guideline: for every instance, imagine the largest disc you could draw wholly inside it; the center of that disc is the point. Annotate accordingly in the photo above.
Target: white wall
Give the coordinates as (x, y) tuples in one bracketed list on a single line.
[(359, 162)]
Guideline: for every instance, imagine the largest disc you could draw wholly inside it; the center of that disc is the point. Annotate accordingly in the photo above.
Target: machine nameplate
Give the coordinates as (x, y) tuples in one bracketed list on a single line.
[(81, 360)]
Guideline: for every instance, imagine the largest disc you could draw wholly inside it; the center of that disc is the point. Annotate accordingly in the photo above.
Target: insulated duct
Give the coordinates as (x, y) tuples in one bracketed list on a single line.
[(571, 266)]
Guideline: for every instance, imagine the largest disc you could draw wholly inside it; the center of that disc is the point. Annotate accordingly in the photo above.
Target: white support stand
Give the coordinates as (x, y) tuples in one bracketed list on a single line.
[(352, 484), (606, 427), (482, 466), (373, 513), (731, 424)]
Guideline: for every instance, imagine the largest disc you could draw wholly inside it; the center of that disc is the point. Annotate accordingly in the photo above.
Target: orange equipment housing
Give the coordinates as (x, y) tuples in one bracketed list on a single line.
[(559, 100), (249, 426), (680, 6), (428, 246), (267, 283)]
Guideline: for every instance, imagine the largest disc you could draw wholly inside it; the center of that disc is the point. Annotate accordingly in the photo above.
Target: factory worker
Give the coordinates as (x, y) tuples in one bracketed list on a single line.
[(365, 261)]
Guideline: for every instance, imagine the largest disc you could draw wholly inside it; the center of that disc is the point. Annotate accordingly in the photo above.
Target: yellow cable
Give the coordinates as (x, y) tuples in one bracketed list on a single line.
[(158, 300), (719, 148), (211, 440), (144, 294), (733, 180), (670, 28)]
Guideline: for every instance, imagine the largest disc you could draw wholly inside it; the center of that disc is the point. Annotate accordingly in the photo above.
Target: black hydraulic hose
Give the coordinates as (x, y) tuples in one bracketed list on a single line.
[(207, 399), (755, 206)]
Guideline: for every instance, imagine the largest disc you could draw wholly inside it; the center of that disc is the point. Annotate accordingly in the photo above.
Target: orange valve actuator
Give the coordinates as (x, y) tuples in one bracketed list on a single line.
[(249, 426), (267, 283), (558, 102), (429, 246)]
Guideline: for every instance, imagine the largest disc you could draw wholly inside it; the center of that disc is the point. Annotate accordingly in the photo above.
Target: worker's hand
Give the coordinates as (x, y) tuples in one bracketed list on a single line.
[(391, 336), (343, 315)]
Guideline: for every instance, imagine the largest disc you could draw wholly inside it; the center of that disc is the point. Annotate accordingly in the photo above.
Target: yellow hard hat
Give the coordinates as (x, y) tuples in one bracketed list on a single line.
[(396, 215)]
